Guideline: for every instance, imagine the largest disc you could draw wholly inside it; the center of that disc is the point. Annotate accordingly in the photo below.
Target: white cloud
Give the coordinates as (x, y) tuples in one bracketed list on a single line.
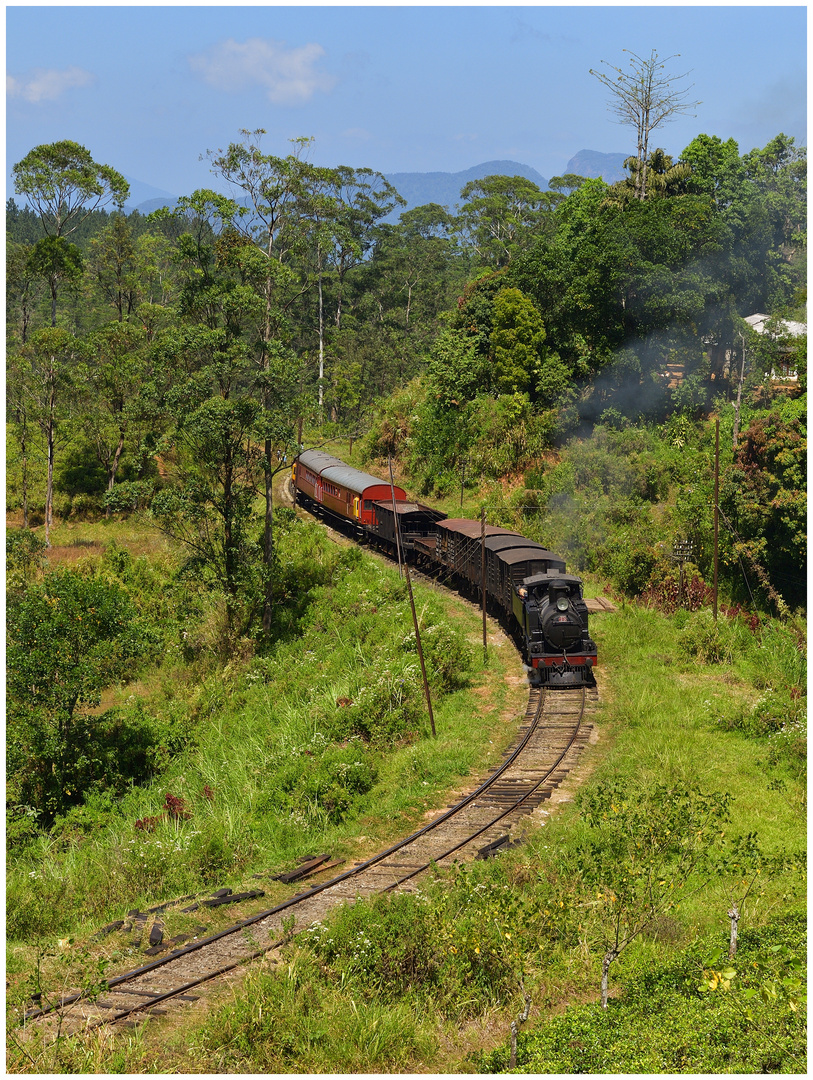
[(43, 84), (288, 75)]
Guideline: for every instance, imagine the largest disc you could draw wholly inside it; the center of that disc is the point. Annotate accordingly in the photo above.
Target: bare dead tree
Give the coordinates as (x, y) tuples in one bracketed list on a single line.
[(645, 98)]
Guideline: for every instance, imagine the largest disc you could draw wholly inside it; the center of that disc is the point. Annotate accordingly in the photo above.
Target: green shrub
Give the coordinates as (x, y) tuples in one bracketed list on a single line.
[(25, 555), (128, 495), (384, 707), (321, 783), (629, 565), (69, 638), (457, 948), (21, 826), (663, 1023), (708, 641), (448, 657), (778, 716), (97, 812), (88, 506)]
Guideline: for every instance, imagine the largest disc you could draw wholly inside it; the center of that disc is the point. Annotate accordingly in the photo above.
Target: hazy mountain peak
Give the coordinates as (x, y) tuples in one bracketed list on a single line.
[(420, 188), (593, 164)]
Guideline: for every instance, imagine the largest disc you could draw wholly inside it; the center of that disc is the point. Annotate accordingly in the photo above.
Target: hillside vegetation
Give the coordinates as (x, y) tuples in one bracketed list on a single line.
[(204, 685)]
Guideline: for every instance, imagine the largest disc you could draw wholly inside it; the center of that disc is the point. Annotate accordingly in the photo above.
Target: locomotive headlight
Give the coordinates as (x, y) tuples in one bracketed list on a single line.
[(562, 603)]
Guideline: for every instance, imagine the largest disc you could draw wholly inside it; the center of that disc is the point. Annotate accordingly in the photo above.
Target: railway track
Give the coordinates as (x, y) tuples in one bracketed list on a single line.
[(549, 739)]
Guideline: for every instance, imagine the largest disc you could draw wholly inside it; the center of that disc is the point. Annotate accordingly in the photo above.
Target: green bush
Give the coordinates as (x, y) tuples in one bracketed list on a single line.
[(25, 555), (88, 506), (321, 783), (708, 641), (779, 716), (663, 1023), (457, 948), (128, 495), (384, 706), (68, 639), (629, 565), (78, 471), (448, 657)]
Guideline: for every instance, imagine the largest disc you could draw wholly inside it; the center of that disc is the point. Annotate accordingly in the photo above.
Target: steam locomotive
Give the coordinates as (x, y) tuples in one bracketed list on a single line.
[(527, 586)]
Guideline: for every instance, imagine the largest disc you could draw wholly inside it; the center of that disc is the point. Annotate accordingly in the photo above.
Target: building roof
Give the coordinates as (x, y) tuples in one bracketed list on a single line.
[(787, 326)]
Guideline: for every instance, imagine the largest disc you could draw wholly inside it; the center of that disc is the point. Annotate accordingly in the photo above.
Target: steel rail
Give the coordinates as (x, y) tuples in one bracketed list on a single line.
[(182, 988), (511, 809), (194, 946)]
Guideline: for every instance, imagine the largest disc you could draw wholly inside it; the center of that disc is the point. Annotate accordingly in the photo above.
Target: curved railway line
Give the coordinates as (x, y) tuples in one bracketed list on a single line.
[(552, 733)]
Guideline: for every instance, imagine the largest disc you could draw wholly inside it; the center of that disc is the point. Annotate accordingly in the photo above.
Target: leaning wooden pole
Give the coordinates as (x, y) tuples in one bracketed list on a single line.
[(296, 458), (396, 525), (483, 582), (420, 651), (716, 508), (412, 605)]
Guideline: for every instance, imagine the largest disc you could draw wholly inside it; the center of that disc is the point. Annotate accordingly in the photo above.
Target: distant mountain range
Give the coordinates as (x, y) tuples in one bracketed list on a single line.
[(145, 195), (419, 188), (591, 163), (444, 188)]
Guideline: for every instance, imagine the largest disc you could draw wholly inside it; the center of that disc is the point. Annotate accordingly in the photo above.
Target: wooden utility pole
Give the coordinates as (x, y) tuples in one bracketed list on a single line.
[(395, 519), (739, 397), (296, 458), (411, 604), (483, 581), (420, 651), (716, 506)]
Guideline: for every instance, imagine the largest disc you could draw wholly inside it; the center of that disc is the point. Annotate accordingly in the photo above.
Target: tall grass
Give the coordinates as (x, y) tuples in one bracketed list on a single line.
[(296, 757), (289, 753), (661, 726)]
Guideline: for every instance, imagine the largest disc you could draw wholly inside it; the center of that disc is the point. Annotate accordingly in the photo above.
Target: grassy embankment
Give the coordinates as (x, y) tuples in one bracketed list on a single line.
[(320, 744), (416, 984), (432, 982), (419, 983)]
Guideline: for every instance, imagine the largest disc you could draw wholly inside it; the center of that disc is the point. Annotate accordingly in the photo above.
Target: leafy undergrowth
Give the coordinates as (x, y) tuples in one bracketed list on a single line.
[(321, 744), (670, 1017), (465, 951), (391, 985)]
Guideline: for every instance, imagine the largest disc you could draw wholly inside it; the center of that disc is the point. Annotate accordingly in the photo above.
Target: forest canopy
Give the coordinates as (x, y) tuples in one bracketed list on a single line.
[(171, 361)]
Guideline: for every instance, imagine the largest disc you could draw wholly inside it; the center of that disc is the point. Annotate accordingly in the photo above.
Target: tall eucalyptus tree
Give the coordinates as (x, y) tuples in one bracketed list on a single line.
[(500, 215), (272, 219), (302, 222), (209, 398), (51, 357), (343, 206), (65, 185)]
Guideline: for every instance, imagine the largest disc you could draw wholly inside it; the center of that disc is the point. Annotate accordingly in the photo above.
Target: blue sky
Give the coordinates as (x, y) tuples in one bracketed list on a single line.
[(150, 89)]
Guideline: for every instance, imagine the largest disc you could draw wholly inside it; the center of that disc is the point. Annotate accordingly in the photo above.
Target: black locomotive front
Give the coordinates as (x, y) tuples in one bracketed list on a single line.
[(552, 615)]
